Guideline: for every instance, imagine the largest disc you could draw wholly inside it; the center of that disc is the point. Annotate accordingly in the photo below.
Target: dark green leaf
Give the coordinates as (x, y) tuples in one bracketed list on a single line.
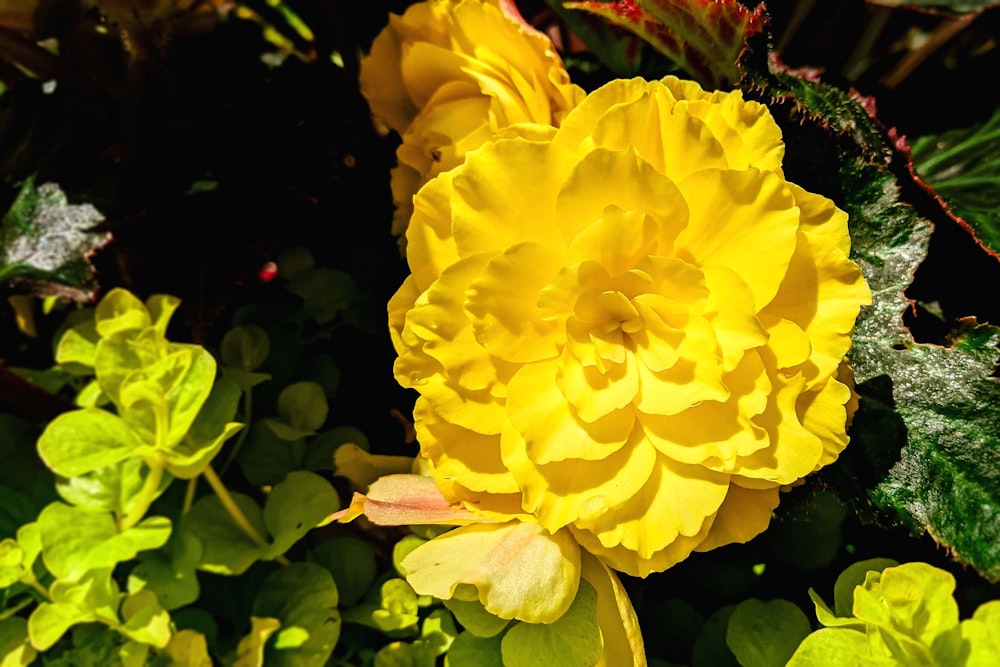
[(47, 241), (617, 49), (963, 167), (295, 506), (351, 562), (572, 641), (468, 650), (304, 598), (225, 548), (765, 634), (267, 459)]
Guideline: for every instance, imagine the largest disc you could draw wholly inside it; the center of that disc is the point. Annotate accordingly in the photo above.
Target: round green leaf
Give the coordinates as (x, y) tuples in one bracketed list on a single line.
[(15, 649), (468, 650), (766, 634), (225, 548), (837, 646), (77, 442), (351, 562), (245, 347), (474, 617), (297, 505), (574, 640), (265, 458), (304, 598)]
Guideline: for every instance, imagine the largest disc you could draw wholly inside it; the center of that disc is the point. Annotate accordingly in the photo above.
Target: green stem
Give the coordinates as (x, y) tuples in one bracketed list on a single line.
[(244, 432), (189, 495), (237, 515), (147, 494)]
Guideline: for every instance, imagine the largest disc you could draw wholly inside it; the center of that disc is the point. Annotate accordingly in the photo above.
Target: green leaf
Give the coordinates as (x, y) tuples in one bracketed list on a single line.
[(710, 648), (963, 168), (76, 540), (187, 648), (295, 506), (325, 292), (120, 311), (145, 620), (402, 549), (15, 649), (267, 459), (574, 640), (78, 344), (705, 38), (80, 441), (225, 548), (46, 241), (618, 49), (250, 651), (766, 634), (399, 607), (957, 6), (468, 650), (245, 347), (169, 572), (474, 617), (302, 408), (351, 562), (438, 631), (304, 598), (850, 578), (111, 488), (837, 646), (94, 597)]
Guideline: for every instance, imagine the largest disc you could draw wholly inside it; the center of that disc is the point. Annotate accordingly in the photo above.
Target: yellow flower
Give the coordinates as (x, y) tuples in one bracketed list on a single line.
[(630, 326), (448, 75)]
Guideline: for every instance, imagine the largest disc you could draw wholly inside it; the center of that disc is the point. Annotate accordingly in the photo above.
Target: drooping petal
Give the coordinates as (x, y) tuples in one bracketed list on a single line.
[(623, 645), (519, 569), (744, 514)]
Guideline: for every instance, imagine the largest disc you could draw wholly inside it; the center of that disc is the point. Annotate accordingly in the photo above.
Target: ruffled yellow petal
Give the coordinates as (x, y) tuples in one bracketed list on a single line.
[(629, 562), (744, 514), (519, 569)]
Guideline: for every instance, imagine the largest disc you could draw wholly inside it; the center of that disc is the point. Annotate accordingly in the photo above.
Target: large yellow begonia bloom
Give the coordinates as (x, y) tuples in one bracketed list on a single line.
[(631, 326), (448, 75)]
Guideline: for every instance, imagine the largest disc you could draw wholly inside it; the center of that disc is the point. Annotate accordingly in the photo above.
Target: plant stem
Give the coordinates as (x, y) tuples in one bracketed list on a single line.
[(244, 432), (237, 515), (147, 494), (189, 495)]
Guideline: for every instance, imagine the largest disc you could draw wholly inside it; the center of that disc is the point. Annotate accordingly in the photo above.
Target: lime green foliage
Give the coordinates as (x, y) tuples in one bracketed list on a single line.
[(572, 641), (765, 634), (900, 615), (351, 561), (705, 38), (302, 409), (962, 167), (46, 241)]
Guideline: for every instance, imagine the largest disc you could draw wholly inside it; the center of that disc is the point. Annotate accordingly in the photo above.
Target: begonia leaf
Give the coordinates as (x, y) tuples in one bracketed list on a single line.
[(297, 505), (574, 640), (705, 38), (947, 479), (304, 598), (351, 562), (957, 6), (77, 442), (765, 634), (617, 48), (15, 649), (76, 540), (962, 167), (469, 650), (225, 548), (302, 408), (48, 242)]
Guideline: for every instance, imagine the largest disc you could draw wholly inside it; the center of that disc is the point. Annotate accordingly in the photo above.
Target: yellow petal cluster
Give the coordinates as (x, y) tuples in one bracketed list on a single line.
[(448, 75), (630, 326)]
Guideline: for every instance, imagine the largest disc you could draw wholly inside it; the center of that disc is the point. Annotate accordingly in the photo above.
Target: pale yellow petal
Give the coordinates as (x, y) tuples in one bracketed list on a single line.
[(623, 645)]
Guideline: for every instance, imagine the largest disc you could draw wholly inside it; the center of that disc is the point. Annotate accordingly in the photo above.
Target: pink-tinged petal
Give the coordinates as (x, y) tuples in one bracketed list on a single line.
[(736, 218), (744, 514), (560, 493), (623, 645), (550, 429), (519, 569), (638, 187), (402, 500), (501, 304)]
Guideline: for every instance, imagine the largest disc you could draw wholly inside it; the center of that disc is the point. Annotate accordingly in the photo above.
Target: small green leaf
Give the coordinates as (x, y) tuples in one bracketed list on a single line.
[(119, 311), (15, 649), (468, 650), (351, 562), (574, 640), (78, 344), (710, 649), (145, 620), (48, 242), (169, 572), (837, 646), (474, 617), (297, 505), (399, 607), (76, 540), (294, 261), (962, 167), (438, 631), (325, 292), (267, 459), (77, 442), (402, 549), (245, 347), (187, 648), (304, 598), (111, 488), (225, 548), (94, 597), (302, 408), (766, 634), (250, 651), (853, 576)]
